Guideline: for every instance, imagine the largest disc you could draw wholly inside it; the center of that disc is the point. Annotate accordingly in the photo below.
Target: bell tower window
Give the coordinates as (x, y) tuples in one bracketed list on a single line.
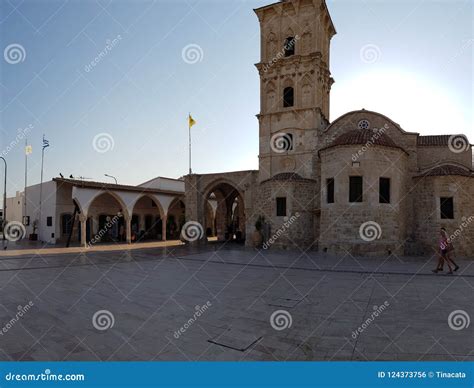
[(289, 46), (288, 97)]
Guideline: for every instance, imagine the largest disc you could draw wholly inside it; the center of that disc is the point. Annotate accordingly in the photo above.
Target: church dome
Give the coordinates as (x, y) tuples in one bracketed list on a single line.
[(364, 137)]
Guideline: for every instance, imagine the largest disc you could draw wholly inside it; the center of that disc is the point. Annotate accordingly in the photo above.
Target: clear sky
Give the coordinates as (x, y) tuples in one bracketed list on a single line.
[(410, 60)]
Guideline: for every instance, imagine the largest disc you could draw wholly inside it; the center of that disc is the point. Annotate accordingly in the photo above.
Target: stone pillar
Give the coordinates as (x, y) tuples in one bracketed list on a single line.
[(221, 218), (163, 228), (194, 203), (128, 229), (83, 221)]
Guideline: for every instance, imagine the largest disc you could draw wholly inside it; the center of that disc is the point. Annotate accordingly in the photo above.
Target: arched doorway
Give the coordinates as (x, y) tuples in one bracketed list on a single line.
[(106, 222), (176, 218), (227, 221), (147, 220)]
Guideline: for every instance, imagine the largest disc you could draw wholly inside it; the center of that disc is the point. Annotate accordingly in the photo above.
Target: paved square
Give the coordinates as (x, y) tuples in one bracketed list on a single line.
[(232, 303)]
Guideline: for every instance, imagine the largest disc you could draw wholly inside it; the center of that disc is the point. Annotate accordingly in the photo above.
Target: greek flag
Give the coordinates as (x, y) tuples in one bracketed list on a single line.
[(45, 143)]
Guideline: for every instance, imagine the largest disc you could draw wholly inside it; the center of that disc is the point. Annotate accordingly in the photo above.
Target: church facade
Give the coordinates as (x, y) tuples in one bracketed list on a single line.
[(360, 184)]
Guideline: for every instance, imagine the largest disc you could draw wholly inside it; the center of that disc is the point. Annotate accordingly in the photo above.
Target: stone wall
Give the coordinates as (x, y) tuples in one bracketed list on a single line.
[(429, 156), (341, 221), (428, 222), (296, 229)]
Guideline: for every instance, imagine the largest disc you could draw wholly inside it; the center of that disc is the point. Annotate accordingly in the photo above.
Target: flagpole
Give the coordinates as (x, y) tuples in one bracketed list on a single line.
[(26, 175), (41, 190), (189, 130)]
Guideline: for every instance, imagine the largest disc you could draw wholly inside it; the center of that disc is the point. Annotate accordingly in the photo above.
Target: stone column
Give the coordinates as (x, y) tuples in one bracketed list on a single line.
[(141, 223), (163, 228), (128, 229), (83, 221), (195, 203)]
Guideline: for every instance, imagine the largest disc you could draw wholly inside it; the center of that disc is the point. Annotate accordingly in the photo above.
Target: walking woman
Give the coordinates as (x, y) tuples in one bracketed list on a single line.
[(445, 252)]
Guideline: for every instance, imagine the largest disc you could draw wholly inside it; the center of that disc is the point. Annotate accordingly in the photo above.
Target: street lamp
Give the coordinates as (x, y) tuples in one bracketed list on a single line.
[(111, 176), (4, 197)]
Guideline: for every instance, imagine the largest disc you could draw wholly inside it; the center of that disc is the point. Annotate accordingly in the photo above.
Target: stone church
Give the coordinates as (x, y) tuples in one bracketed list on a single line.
[(360, 184)]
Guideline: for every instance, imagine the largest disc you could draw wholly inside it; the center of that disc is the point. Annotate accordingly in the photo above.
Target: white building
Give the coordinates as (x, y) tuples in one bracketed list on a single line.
[(91, 212)]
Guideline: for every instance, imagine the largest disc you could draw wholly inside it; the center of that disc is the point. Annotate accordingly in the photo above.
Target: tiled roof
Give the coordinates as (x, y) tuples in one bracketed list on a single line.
[(448, 169), (364, 136), (288, 176), (438, 141), (112, 186)]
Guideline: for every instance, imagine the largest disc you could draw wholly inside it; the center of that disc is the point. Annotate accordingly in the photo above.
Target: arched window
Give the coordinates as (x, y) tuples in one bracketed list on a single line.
[(289, 46), (288, 97)]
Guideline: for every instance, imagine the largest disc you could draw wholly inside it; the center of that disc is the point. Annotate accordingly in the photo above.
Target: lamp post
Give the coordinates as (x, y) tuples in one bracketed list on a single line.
[(4, 197), (111, 176)]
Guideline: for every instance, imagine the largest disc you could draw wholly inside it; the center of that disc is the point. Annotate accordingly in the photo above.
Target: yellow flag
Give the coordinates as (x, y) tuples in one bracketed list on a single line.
[(28, 150), (191, 121)]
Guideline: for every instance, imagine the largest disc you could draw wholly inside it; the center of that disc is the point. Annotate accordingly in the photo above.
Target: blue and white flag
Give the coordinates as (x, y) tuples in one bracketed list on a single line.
[(45, 143)]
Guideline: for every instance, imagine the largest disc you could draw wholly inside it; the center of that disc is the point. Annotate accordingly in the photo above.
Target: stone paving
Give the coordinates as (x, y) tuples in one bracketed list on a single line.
[(233, 303)]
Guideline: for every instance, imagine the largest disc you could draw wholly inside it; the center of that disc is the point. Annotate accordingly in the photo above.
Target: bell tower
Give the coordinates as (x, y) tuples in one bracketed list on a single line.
[(295, 84)]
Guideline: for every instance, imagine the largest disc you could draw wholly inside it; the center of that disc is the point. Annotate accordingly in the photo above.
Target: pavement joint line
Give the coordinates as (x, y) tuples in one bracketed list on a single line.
[(330, 270)]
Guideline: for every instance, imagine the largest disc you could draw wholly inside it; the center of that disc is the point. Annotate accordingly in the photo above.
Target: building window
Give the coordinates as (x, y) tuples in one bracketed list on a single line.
[(282, 142), (281, 206), (330, 190), (66, 223), (289, 46), (355, 189), (447, 208), (384, 190), (49, 221), (363, 124), (288, 97)]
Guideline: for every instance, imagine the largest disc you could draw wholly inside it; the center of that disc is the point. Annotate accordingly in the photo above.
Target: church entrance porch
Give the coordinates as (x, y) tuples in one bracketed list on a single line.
[(221, 204)]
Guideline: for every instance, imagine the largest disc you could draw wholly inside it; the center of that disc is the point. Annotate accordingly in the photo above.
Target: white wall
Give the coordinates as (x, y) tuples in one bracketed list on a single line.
[(15, 207), (48, 209), (165, 184)]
